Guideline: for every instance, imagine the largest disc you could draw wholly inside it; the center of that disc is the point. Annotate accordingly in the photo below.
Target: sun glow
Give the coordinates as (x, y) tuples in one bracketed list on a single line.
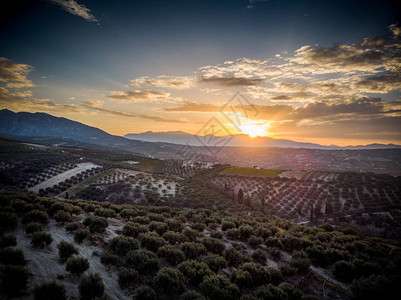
[(255, 128)]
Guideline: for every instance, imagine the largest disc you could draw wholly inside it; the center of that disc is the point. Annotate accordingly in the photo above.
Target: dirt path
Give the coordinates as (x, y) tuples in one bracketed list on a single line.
[(63, 176)]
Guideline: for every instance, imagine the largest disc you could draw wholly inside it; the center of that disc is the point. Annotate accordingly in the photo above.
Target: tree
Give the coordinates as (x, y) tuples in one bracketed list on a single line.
[(143, 261), (127, 277), (50, 290), (169, 281), (218, 287), (123, 244), (77, 265), (193, 250), (11, 256), (14, 279), (171, 254), (91, 286), (66, 249), (144, 292), (215, 262), (41, 239), (194, 271)]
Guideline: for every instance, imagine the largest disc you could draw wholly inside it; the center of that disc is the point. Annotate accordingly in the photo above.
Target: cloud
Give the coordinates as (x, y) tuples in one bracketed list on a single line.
[(396, 31), (76, 9), (144, 96), (13, 74), (173, 82), (96, 105), (381, 84), (231, 81), (193, 107)]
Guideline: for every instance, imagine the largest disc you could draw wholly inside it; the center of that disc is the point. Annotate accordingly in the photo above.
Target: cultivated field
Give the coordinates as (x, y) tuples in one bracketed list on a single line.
[(251, 171)]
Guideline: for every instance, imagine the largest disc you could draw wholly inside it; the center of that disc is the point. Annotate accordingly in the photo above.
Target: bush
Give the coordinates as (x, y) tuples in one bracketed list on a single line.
[(233, 256), (35, 216), (241, 278), (71, 227), (218, 287), (33, 227), (227, 225), (105, 213), (374, 287), (80, 235), (216, 235), (108, 258), (8, 220), (62, 217), (11, 256), (159, 227), (254, 241), (134, 230), (144, 292), (8, 240), (91, 286), (260, 275), (128, 213), (214, 245), (194, 271), (123, 244), (127, 277), (275, 276), (193, 250), (41, 239), (300, 262), (275, 252), (198, 226), (152, 242), (171, 254), (245, 232), (259, 256), (191, 295), (191, 234), (14, 279), (174, 225), (50, 291), (174, 238), (169, 281), (270, 292), (344, 270), (215, 262), (77, 265), (66, 249), (96, 223), (143, 261)]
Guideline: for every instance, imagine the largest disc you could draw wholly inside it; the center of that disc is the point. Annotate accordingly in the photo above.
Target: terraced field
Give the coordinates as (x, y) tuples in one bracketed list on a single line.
[(251, 171)]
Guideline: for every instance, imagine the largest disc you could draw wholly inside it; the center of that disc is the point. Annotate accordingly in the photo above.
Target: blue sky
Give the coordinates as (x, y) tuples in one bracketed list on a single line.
[(111, 63)]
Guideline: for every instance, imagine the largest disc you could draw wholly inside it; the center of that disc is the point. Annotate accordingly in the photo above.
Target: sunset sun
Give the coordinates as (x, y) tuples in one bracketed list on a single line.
[(254, 130)]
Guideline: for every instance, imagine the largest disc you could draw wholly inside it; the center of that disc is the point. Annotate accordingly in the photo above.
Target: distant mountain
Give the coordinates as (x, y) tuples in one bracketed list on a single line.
[(240, 140)]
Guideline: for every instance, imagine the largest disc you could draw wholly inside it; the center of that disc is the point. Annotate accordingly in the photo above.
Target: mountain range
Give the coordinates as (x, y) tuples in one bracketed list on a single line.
[(25, 124)]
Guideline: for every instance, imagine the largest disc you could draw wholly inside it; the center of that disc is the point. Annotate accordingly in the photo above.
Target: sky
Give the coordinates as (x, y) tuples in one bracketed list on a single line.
[(322, 71)]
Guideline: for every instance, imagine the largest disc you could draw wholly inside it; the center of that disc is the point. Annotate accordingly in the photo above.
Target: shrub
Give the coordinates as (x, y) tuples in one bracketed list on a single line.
[(245, 232), (96, 223), (169, 281), (227, 225), (62, 217), (287, 270), (8, 240), (143, 261), (214, 245), (91, 286), (233, 256), (66, 249), (215, 262), (216, 235), (194, 271), (108, 258), (77, 265), (191, 295), (128, 213), (171, 254), (80, 235), (41, 239), (198, 226), (260, 275), (218, 287), (71, 227), (152, 242), (233, 234), (191, 234), (50, 290), (134, 230), (14, 279), (254, 241), (344, 270), (11, 256), (373, 287), (33, 227), (105, 213), (127, 277), (300, 262), (8, 220), (241, 278), (174, 237), (141, 220), (35, 216), (144, 292), (123, 244), (193, 250), (270, 292), (275, 276), (174, 225), (259, 256), (275, 252)]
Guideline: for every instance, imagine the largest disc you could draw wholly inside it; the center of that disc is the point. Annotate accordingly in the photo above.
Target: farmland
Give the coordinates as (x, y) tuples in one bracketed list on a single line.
[(251, 171)]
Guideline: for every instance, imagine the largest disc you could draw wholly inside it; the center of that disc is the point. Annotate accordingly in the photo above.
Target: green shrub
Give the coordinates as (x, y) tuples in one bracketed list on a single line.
[(194, 271), (62, 217), (14, 279), (218, 287), (35, 216), (233, 234), (11, 256), (300, 262), (41, 239), (193, 250), (191, 234), (8, 240), (108, 258), (33, 227), (260, 275), (77, 265), (270, 292), (259, 256), (169, 281), (255, 241), (245, 232), (105, 213), (215, 262), (191, 295), (141, 220), (123, 244), (214, 245), (134, 230), (128, 214), (216, 234), (66, 249), (144, 292), (128, 277), (143, 261), (241, 278), (50, 291), (374, 287), (174, 225), (227, 225), (287, 270), (198, 226), (91, 286), (71, 227), (158, 227), (8, 220), (233, 256), (152, 242), (96, 223), (171, 254), (275, 252), (174, 238), (344, 270), (80, 235)]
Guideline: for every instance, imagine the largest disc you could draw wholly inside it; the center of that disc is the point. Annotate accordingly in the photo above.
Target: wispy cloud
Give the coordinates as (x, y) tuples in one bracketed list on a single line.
[(76, 9), (14, 75), (144, 96)]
